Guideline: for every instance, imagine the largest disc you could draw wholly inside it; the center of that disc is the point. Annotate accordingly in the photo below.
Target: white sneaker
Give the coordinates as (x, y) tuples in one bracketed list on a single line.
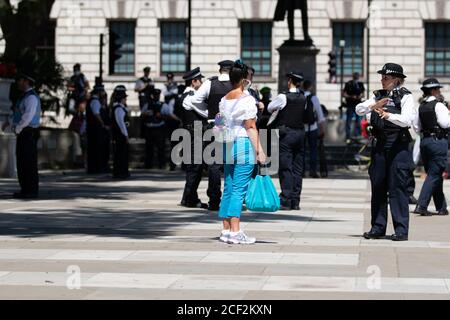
[(241, 238), (224, 236)]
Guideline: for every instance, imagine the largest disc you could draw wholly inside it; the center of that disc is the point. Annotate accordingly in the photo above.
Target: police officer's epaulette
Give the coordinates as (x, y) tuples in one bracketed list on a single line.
[(213, 78), (404, 91)]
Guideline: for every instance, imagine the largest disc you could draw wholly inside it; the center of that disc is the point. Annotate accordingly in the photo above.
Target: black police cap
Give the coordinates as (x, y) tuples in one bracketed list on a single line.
[(392, 69), (193, 74), (26, 76), (226, 64), (297, 75), (431, 83)]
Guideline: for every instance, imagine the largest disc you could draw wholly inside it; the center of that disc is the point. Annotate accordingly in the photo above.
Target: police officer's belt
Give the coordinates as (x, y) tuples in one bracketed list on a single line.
[(282, 127), (438, 133)]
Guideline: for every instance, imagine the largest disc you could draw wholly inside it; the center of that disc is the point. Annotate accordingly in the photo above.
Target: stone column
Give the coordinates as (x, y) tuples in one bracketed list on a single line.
[(298, 56)]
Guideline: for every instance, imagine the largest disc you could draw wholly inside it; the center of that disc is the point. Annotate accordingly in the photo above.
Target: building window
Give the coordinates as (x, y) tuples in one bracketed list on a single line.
[(353, 34), (122, 47), (173, 46), (437, 49), (46, 41), (256, 46)]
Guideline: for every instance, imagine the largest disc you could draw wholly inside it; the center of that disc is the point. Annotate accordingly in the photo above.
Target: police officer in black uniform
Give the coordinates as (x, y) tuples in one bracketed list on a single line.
[(120, 134), (192, 118), (391, 115), (95, 127), (144, 87), (289, 110), (353, 93), (207, 98), (433, 122), (155, 131), (25, 122)]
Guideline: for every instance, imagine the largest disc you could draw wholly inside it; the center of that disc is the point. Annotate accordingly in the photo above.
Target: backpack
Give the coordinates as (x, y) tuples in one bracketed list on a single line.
[(309, 117)]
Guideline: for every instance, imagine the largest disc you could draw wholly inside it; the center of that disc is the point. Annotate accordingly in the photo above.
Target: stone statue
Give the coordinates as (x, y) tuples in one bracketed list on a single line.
[(289, 6)]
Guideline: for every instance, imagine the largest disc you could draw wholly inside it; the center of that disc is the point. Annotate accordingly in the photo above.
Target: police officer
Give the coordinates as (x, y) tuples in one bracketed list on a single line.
[(289, 109), (266, 99), (353, 93), (391, 114), (25, 124), (191, 118), (79, 85), (120, 134), (207, 99), (155, 131), (144, 87), (170, 89), (433, 121), (95, 125)]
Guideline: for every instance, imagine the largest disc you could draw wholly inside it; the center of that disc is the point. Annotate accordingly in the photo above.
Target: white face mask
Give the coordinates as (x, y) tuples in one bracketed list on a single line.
[(248, 85)]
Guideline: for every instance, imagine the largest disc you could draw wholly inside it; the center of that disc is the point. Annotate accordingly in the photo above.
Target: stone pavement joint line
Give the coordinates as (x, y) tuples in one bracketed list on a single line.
[(133, 235)]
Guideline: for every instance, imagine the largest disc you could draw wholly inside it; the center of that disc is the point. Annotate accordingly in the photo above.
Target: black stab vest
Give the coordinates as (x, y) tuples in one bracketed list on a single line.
[(427, 115), (292, 114), (385, 131), (117, 133), (190, 116), (219, 89)]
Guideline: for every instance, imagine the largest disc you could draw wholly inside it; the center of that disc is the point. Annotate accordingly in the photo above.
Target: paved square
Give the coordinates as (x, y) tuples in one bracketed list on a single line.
[(131, 240)]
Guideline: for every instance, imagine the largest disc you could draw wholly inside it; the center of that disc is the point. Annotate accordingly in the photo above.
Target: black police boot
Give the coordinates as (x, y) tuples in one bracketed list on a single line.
[(374, 235), (399, 237), (422, 211), (443, 212), (412, 200)]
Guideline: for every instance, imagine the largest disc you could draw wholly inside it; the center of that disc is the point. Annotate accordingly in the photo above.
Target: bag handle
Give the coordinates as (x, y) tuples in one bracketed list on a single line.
[(258, 168)]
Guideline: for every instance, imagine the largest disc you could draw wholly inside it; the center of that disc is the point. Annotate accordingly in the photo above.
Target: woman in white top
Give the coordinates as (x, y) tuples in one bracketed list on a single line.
[(239, 112)]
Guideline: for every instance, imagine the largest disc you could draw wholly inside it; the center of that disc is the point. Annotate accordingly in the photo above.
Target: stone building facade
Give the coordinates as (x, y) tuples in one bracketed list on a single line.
[(400, 31)]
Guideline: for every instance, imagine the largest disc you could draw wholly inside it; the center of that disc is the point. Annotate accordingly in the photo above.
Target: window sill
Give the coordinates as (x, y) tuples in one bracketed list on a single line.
[(119, 78), (264, 79)]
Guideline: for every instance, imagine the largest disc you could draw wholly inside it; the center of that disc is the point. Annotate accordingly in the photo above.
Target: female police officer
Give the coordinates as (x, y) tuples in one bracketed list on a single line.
[(433, 120), (392, 113)]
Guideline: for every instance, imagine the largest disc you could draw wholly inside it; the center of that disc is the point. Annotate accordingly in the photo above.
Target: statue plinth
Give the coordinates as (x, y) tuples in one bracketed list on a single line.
[(297, 55)]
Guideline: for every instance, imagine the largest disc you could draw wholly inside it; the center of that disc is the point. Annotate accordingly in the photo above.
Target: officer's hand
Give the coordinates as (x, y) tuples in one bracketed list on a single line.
[(385, 115), (261, 106), (380, 104)]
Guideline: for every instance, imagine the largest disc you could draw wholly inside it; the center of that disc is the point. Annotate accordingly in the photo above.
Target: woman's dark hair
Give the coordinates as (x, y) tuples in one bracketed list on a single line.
[(238, 72)]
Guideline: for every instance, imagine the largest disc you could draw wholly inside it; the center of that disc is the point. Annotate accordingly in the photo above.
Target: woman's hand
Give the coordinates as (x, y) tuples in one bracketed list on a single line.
[(261, 157)]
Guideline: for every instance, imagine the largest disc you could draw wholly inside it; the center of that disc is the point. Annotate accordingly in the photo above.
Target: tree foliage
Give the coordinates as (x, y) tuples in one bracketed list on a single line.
[(24, 29)]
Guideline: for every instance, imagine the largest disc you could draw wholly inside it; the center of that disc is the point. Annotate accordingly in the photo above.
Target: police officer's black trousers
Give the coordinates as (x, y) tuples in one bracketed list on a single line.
[(155, 138), (292, 149), (389, 174), (194, 171), (121, 156), (93, 149), (214, 184), (27, 161), (434, 157), (105, 150)]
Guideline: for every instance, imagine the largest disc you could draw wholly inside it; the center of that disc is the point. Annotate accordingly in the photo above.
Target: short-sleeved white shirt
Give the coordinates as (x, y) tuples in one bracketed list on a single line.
[(236, 112)]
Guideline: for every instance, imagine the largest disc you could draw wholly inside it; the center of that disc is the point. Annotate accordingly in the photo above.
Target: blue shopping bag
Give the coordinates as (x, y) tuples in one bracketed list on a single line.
[(262, 195)]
